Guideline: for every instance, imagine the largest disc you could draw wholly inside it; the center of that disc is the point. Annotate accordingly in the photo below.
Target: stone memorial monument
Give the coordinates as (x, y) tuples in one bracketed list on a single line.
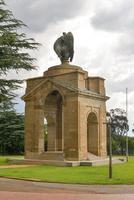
[(71, 106)]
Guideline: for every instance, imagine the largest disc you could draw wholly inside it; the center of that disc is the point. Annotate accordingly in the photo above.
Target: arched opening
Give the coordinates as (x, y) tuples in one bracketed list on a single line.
[(45, 135), (92, 133), (53, 111)]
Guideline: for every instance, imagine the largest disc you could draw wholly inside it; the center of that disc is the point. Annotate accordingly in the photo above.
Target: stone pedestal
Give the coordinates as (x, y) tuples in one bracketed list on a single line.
[(74, 106)]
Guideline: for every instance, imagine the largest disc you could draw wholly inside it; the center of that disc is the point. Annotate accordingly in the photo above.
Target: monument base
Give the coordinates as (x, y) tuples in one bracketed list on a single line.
[(95, 162)]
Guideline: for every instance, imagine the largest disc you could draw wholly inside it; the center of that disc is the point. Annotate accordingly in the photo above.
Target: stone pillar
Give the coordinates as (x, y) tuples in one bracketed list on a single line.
[(103, 132), (39, 131), (34, 129), (71, 129), (29, 126), (82, 117)]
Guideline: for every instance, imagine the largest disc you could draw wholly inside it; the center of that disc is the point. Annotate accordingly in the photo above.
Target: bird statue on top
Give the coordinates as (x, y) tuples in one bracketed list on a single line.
[(64, 47)]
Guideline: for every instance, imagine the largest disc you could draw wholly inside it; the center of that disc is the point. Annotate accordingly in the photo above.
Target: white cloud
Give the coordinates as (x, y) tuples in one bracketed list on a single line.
[(125, 46), (115, 15), (38, 15)]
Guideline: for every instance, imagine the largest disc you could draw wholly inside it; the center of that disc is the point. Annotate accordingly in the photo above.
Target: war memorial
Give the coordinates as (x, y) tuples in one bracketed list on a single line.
[(74, 106)]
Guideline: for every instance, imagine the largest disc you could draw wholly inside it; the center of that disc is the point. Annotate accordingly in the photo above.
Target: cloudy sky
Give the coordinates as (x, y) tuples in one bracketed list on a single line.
[(104, 40)]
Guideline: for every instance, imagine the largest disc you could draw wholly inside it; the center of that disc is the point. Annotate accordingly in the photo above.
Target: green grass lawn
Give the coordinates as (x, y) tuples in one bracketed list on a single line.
[(4, 159), (122, 174)]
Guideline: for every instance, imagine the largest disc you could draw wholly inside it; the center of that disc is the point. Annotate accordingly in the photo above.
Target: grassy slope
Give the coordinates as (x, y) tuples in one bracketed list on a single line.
[(122, 174), (4, 159)]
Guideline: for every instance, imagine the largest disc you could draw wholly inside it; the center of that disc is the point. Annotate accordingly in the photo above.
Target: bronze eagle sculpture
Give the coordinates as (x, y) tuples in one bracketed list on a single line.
[(64, 47)]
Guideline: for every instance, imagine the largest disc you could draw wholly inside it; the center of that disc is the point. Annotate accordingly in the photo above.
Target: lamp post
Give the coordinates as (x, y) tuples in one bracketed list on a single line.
[(110, 144), (126, 117)]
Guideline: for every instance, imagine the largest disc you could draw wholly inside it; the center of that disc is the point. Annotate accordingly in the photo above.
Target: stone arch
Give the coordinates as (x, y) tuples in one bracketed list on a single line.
[(54, 88), (92, 133), (53, 113)]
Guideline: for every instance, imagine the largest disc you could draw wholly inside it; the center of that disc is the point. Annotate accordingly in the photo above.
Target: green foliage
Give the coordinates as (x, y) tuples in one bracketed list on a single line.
[(119, 121), (122, 174), (131, 145), (11, 132), (13, 51), (119, 125), (116, 144)]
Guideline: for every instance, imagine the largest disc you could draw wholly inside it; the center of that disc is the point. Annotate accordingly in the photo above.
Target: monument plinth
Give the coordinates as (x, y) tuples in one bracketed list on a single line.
[(74, 106)]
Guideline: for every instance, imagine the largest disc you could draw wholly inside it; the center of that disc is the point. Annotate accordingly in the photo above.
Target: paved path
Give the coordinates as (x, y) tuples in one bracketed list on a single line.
[(12, 189), (30, 186), (62, 196)]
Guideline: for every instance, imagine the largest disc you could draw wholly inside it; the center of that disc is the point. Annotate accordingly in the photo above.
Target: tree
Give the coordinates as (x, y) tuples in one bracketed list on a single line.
[(11, 129), (131, 145), (11, 132), (13, 55), (120, 127)]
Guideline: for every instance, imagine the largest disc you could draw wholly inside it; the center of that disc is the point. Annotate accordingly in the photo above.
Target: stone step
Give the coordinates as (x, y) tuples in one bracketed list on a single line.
[(91, 157), (36, 162), (104, 161)]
